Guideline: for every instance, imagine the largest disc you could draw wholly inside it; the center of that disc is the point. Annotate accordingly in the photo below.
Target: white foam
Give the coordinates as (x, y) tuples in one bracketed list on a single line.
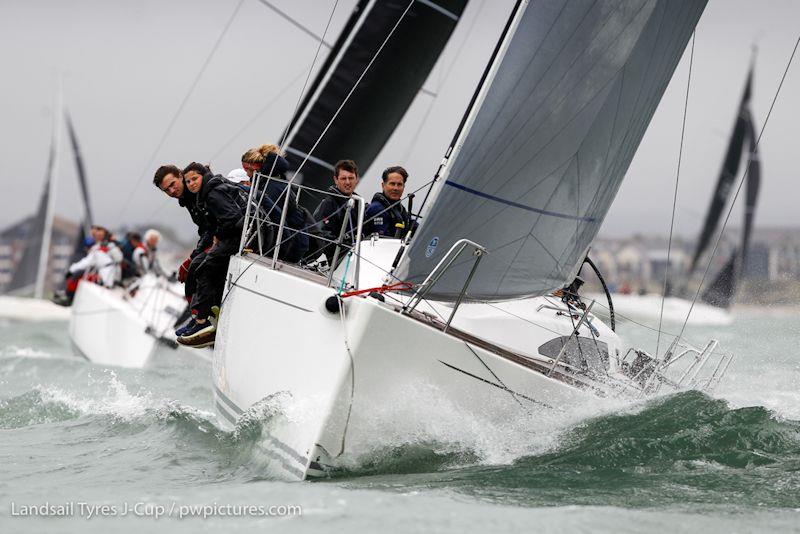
[(13, 351)]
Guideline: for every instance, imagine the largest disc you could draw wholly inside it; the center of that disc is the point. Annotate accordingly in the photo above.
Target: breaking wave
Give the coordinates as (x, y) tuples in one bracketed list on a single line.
[(676, 450)]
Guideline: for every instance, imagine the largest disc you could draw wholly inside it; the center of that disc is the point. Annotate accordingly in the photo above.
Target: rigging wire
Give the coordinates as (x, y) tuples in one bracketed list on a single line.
[(282, 144), (675, 195), (272, 101), (258, 115), (180, 108), (445, 75), (349, 94), (296, 24), (739, 188)]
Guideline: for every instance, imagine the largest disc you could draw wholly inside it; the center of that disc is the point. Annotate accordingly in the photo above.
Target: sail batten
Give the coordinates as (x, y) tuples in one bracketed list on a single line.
[(550, 142)]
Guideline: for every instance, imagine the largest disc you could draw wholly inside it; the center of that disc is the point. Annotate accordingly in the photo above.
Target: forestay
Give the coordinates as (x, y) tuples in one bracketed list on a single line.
[(549, 140)]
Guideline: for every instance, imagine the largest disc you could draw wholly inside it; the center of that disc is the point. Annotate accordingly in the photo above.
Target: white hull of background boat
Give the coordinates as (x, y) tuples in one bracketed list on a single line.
[(330, 384), (31, 309), (647, 308), (108, 327)]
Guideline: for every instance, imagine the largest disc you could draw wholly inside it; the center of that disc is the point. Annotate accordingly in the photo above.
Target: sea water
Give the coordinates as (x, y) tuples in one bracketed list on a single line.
[(85, 448)]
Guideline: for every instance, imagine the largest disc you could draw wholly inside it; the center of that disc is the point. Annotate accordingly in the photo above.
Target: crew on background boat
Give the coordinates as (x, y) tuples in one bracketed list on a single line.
[(101, 264), (330, 214), (132, 243), (386, 215), (145, 257), (223, 205), (268, 161)]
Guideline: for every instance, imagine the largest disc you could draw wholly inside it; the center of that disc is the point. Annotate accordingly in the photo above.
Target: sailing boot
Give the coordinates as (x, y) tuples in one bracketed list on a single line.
[(199, 335)]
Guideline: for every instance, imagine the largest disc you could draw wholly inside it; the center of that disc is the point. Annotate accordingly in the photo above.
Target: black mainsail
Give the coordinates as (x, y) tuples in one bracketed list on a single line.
[(24, 278), (730, 168), (382, 97), (722, 290), (86, 223), (548, 142)]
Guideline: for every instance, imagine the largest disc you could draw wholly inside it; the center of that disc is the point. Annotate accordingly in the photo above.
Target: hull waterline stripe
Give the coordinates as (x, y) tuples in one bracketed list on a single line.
[(234, 284), (518, 205), (282, 462), (78, 351), (224, 412), (287, 449), (498, 386), (230, 403)]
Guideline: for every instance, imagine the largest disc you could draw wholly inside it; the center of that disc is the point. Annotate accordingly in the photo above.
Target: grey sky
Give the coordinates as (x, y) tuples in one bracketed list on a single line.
[(128, 65)]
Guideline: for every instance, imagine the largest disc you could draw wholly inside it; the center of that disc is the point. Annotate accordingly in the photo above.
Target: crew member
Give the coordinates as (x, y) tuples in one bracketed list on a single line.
[(330, 214), (386, 215), (223, 205)]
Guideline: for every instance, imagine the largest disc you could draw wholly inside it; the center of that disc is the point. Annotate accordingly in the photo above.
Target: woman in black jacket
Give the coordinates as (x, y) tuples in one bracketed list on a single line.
[(223, 205)]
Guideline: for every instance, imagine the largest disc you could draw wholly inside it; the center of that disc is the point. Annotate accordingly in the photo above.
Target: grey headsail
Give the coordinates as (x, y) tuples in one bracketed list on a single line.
[(24, 278), (384, 94), (549, 141)]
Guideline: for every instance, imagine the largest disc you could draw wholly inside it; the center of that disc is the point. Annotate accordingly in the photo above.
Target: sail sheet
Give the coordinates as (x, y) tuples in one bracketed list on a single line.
[(730, 168), (554, 132), (380, 100), (24, 278)]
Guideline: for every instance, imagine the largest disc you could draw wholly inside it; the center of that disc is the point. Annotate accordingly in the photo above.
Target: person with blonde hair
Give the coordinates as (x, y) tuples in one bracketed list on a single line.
[(268, 161)]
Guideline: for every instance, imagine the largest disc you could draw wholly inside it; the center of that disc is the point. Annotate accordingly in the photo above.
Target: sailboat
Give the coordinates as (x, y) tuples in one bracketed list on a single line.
[(25, 292), (125, 327), (463, 314), (716, 299)]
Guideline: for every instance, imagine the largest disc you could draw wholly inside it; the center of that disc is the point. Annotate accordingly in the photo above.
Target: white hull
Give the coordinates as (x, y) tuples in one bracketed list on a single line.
[(107, 327), (327, 383), (30, 309), (647, 308)]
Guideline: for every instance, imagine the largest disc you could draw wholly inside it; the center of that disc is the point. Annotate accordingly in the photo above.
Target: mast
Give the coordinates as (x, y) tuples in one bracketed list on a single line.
[(44, 253)]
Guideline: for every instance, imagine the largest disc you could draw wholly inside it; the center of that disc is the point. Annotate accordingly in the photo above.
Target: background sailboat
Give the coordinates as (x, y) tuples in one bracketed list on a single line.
[(29, 279), (718, 294)]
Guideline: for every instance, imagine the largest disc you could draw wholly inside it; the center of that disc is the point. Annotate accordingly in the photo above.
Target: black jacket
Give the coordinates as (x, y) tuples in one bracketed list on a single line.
[(204, 229), (383, 215), (224, 205), (329, 216)]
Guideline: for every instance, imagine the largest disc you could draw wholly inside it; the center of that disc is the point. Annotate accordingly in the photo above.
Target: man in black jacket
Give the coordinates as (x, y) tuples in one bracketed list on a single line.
[(223, 205), (169, 179), (330, 214)]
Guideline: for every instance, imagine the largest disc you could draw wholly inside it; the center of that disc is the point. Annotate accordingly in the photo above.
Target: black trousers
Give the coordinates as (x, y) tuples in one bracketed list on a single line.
[(206, 277)]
